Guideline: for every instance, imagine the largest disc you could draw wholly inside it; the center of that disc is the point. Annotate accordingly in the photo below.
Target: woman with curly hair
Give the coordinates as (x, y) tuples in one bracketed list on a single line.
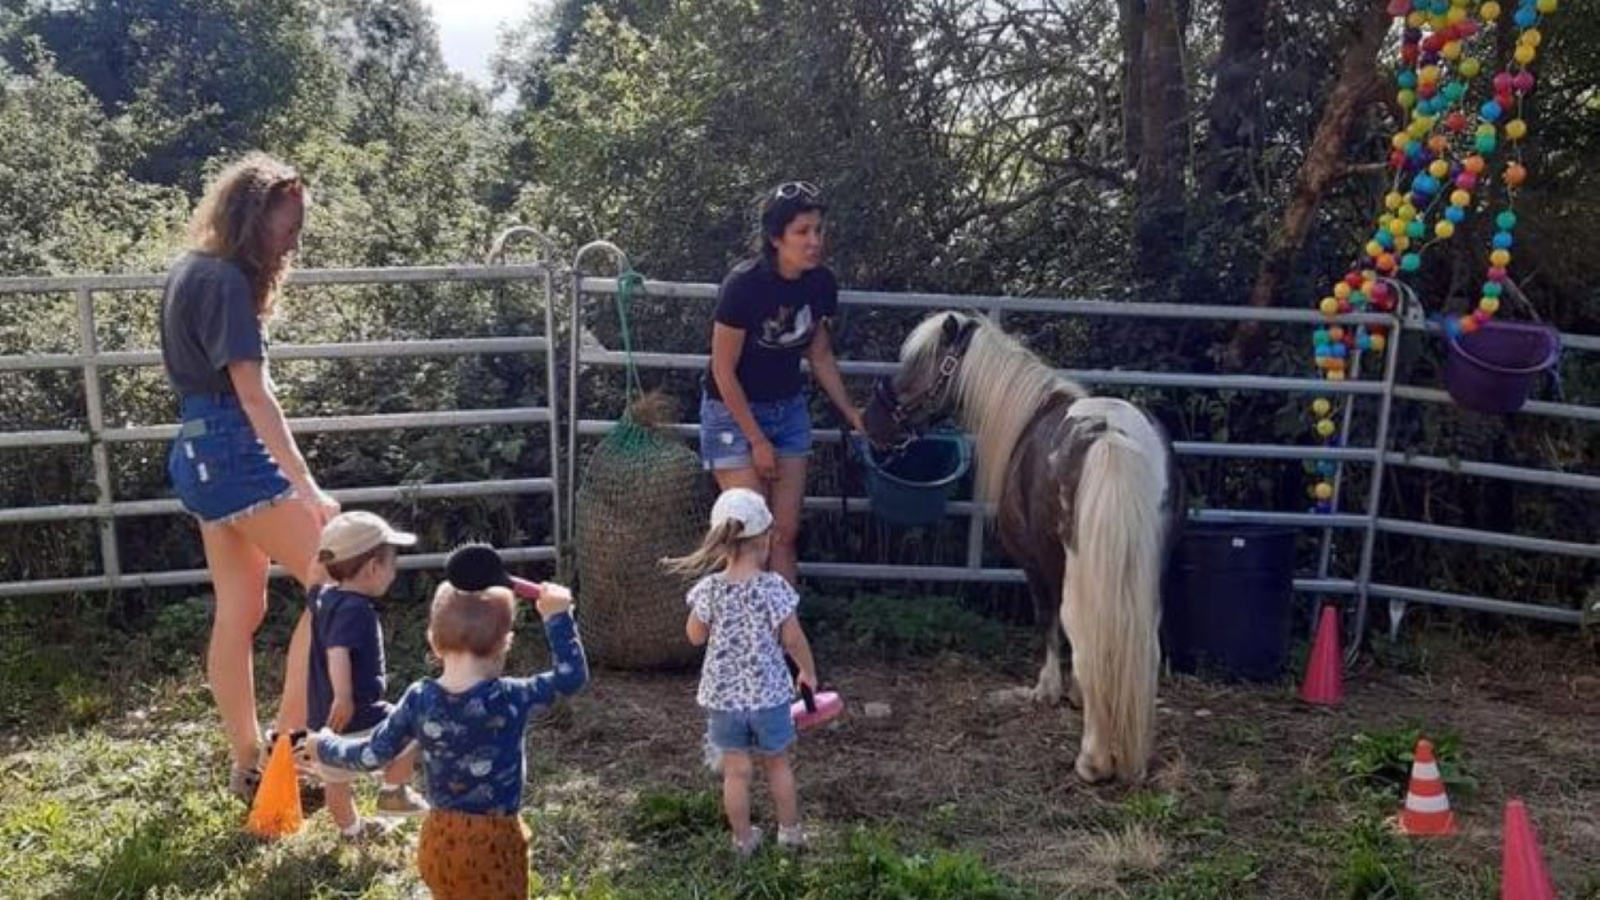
[(234, 464)]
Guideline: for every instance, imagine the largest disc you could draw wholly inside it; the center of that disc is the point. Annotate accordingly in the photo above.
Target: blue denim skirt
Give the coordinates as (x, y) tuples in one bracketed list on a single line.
[(219, 469), (786, 423)]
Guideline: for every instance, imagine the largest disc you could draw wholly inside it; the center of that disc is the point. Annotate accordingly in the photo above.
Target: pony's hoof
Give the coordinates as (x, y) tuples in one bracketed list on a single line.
[(1045, 696), (1090, 773), (1011, 696)]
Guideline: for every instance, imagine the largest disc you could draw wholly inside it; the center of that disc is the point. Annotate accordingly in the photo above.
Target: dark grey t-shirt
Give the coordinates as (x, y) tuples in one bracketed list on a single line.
[(208, 319)]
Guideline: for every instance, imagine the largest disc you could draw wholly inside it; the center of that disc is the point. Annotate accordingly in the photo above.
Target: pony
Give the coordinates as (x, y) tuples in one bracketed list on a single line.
[(1087, 500)]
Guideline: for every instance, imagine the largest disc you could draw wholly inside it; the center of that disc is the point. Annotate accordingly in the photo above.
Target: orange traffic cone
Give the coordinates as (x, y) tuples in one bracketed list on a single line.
[(276, 809), (1324, 679), (1427, 809), (1523, 875)]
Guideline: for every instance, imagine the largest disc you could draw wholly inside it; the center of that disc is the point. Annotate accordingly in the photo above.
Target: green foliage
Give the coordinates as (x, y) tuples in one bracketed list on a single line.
[(875, 867), (189, 79), (1376, 864), (1381, 760), (675, 815), (1222, 876), (904, 626)]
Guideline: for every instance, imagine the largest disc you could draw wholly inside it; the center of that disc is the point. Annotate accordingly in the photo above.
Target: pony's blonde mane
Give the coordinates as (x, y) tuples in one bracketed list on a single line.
[(997, 390)]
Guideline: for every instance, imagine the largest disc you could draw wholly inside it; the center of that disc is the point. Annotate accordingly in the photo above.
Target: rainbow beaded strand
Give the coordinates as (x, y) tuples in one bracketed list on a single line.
[(1444, 167)]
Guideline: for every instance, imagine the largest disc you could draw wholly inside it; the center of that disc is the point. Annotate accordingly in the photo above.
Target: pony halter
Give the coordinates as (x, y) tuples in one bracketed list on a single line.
[(904, 414)]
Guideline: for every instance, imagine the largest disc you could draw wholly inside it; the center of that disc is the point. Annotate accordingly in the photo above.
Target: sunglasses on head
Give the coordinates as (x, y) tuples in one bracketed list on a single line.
[(794, 189)]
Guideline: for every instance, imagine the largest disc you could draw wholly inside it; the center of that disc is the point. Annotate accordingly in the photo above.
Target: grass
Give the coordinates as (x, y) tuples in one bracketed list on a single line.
[(111, 772)]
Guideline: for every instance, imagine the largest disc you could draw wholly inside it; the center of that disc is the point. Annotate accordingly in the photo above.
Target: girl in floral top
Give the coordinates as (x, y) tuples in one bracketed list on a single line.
[(746, 617)]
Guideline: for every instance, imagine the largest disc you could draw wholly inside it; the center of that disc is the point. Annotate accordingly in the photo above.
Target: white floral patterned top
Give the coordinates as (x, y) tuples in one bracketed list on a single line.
[(744, 667)]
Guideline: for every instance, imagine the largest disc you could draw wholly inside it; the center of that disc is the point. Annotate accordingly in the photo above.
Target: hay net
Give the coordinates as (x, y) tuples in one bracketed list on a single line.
[(643, 497)]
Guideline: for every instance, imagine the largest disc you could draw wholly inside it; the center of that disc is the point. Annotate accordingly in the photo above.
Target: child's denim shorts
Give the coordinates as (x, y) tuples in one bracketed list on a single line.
[(767, 732), (219, 469), (786, 423)]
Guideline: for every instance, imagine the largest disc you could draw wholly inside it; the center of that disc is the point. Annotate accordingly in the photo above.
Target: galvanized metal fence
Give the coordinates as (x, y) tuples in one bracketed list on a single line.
[(107, 511), (1378, 455), (1365, 519)]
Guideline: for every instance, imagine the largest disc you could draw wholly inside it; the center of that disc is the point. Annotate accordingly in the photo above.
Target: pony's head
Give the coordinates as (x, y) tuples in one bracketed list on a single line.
[(920, 392)]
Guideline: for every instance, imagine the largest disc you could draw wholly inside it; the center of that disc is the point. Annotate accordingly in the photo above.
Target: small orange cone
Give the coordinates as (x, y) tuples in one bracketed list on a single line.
[(1427, 809), (276, 809), (1324, 679), (1523, 875)]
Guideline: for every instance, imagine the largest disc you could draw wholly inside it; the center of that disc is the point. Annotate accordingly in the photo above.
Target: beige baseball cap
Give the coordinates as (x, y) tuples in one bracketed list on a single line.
[(744, 506), (351, 534)]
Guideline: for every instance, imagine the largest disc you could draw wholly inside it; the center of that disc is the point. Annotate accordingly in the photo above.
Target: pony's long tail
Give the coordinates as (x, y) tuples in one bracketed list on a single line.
[(1114, 580)]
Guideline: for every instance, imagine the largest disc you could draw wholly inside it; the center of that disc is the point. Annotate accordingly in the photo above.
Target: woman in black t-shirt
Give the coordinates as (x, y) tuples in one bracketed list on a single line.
[(772, 310), (234, 464)]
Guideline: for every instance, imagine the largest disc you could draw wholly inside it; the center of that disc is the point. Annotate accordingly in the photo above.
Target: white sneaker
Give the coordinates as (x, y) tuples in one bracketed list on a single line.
[(400, 801), (791, 837), (745, 848)]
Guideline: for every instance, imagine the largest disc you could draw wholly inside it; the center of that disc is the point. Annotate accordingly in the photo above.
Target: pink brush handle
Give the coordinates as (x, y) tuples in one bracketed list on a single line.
[(525, 589)]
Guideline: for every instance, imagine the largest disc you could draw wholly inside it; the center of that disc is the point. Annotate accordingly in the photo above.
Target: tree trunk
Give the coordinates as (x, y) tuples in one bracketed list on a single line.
[(1131, 24), (1325, 162), (1234, 115), (1156, 93)]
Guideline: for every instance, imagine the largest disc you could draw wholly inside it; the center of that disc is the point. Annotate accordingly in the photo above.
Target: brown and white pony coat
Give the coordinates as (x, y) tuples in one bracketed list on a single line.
[(1086, 498)]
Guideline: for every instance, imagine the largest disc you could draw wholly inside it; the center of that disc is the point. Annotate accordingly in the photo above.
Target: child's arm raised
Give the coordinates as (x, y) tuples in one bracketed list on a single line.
[(391, 736), (571, 667)]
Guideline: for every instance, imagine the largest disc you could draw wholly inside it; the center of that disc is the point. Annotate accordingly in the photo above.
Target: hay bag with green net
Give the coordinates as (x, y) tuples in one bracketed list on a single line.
[(643, 497)]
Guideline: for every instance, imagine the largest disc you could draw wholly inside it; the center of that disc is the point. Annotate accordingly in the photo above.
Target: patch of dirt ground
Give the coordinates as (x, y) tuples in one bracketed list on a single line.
[(1250, 787)]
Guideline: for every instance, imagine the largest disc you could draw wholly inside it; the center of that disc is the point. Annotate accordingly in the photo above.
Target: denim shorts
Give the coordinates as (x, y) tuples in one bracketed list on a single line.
[(219, 469), (786, 423), (767, 732)]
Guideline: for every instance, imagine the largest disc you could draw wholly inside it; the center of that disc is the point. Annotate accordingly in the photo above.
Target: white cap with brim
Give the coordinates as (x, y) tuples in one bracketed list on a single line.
[(744, 506), (351, 534)]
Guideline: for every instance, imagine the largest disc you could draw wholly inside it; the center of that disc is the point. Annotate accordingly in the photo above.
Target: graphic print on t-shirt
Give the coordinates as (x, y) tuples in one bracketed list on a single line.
[(786, 329)]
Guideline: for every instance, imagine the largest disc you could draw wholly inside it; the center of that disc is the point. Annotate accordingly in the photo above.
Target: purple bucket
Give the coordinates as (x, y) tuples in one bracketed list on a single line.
[(1493, 369)]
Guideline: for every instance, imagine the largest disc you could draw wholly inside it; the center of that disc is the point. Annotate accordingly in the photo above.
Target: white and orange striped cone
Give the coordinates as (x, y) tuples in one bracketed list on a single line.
[(1427, 809)]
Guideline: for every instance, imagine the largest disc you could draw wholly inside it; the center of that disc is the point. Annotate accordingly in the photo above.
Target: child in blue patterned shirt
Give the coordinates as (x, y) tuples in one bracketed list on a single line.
[(469, 723)]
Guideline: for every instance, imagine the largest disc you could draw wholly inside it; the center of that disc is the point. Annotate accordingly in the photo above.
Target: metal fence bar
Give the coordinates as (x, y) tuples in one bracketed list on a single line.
[(1497, 471), (17, 439), (1571, 411), (360, 350), (1477, 604), (553, 400), (1487, 538), (577, 358), (979, 511), (95, 407), (1369, 539), (524, 415), (1206, 449), (889, 572), (183, 577), (394, 494), (1058, 306), (1116, 378), (56, 284)]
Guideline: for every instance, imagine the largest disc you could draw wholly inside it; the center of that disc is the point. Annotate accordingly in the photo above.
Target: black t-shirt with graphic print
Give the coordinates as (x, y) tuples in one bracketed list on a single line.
[(779, 317)]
